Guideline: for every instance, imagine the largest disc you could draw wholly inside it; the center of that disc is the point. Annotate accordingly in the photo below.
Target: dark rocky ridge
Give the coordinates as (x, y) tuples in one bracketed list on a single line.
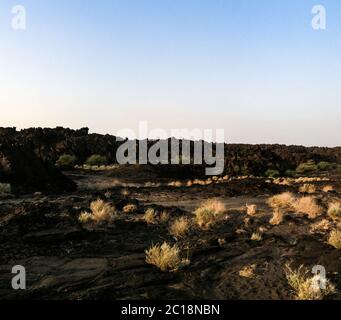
[(26, 172), (49, 144)]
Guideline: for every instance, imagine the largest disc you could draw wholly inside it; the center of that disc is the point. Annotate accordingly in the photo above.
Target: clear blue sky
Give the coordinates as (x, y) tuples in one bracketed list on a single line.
[(255, 68)]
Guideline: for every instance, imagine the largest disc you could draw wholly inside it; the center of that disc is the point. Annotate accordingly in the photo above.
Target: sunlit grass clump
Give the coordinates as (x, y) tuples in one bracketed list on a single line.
[(277, 217), (150, 216), (251, 209), (288, 202), (308, 206), (101, 211), (304, 286), (180, 227), (284, 200), (165, 257), (335, 239), (209, 213), (334, 210), (308, 188)]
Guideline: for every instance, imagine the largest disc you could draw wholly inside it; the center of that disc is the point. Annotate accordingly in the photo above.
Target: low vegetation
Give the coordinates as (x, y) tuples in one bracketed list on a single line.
[(165, 257), (129, 208), (251, 209), (256, 236), (277, 217), (209, 213), (334, 210), (328, 189), (5, 188), (335, 239), (308, 188), (306, 167), (304, 286), (308, 206), (66, 161), (101, 212), (150, 216), (272, 173), (96, 160), (180, 227), (288, 202), (284, 200)]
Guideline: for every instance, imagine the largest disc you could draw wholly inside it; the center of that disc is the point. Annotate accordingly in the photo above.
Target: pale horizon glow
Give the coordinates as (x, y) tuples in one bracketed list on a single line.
[(256, 69)]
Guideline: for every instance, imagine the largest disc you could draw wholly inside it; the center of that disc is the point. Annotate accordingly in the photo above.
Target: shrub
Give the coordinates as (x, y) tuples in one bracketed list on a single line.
[(272, 173), (304, 287), (66, 161), (179, 227), (325, 166), (5, 188), (334, 210), (335, 239), (290, 173), (308, 205), (96, 160), (306, 167), (100, 212), (209, 213), (308, 188), (165, 257)]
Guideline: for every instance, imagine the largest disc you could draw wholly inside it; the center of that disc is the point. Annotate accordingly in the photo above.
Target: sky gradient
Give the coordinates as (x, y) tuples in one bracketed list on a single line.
[(255, 68)]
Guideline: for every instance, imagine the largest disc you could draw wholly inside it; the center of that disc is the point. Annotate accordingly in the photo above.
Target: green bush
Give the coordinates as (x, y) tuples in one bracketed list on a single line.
[(96, 160), (271, 173), (66, 161), (290, 173), (325, 166), (5, 188), (305, 167)]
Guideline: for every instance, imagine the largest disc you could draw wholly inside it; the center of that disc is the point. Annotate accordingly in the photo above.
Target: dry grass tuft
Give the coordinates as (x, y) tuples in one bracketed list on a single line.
[(308, 205), (277, 217), (164, 216), (335, 239), (179, 227), (100, 212), (256, 236), (327, 189), (165, 257), (308, 188), (150, 216), (334, 210), (251, 209), (284, 200), (304, 286), (209, 213), (129, 208), (248, 271)]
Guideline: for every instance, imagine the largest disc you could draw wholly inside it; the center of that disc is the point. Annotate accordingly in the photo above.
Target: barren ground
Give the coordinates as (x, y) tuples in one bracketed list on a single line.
[(65, 260)]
